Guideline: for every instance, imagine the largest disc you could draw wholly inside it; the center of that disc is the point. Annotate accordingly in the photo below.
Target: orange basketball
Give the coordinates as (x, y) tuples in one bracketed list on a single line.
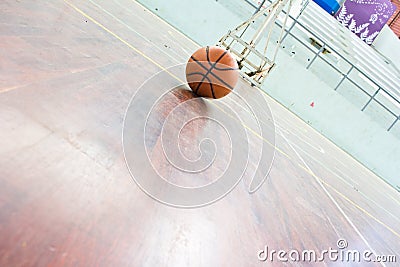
[(212, 72)]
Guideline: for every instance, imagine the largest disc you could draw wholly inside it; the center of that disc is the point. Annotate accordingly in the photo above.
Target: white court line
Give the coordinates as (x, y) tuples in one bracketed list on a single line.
[(166, 23), (343, 179), (161, 20), (331, 198), (174, 58), (279, 104), (319, 148)]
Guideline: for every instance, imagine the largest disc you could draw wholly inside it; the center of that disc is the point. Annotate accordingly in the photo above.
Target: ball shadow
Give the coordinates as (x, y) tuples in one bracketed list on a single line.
[(195, 106)]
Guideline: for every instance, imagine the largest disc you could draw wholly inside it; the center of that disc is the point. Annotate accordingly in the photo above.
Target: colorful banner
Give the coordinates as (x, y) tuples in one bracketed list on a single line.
[(365, 18)]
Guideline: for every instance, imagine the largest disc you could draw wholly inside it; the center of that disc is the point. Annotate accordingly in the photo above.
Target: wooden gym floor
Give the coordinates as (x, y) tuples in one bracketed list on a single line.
[(68, 70)]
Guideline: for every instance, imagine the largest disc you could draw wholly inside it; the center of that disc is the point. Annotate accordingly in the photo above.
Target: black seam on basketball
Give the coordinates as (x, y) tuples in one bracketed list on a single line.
[(225, 69), (213, 65), (212, 90), (195, 73), (205, 68), (221, 56), (222, 81), (198, 73), (202, 74), (202, 81), (198, 86), (219, 79), (208, 54), (209, 82), (206, 77), (199, 63), (209, 70), (208, 59)]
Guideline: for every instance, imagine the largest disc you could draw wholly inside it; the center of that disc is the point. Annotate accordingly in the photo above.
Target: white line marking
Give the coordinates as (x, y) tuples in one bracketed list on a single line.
[(331, 198), (139, 34), (319, 148)]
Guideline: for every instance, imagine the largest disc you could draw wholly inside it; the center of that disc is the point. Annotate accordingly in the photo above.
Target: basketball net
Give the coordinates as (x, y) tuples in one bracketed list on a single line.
[(249, 46)]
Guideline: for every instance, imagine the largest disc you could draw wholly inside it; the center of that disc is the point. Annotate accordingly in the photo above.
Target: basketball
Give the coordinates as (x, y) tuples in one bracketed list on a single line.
[(212, 72)]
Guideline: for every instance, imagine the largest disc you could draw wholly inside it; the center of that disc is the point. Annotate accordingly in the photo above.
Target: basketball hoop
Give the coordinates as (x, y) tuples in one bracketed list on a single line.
[(254, 62)]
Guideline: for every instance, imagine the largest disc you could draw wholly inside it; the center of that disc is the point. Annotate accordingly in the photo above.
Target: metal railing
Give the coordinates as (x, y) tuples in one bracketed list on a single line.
[(310, 20)]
